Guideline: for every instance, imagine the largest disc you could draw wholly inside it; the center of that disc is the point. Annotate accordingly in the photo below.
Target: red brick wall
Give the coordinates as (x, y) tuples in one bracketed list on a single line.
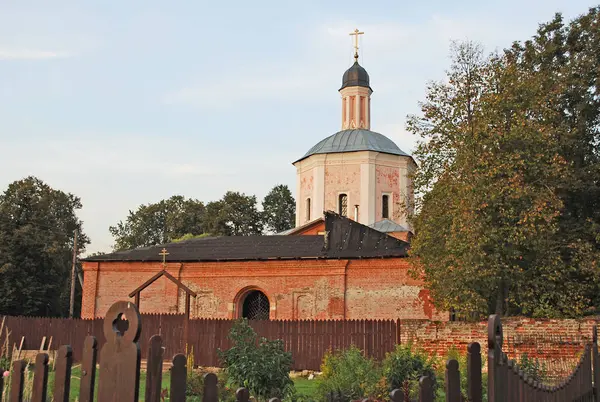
[(557, 343), (299, 289)]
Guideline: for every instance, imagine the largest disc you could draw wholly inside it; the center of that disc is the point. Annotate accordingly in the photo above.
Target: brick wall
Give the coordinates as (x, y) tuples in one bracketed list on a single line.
[(556, 343), (298, 289)]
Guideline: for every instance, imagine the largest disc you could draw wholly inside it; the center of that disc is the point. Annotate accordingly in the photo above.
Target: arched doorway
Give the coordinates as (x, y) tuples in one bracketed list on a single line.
[(256, 306)]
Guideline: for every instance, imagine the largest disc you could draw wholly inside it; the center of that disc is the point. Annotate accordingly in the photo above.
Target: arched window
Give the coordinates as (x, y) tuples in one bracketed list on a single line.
[(385, 206), (343, 204), (256, 306), (308, 209)]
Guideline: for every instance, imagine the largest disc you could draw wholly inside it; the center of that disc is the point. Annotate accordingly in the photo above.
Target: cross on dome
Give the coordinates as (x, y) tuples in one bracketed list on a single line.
[(355, 34)]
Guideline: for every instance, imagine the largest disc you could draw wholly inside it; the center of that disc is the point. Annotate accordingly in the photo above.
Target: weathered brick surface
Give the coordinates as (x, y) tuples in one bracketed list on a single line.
[(557, 343), (302, 289)]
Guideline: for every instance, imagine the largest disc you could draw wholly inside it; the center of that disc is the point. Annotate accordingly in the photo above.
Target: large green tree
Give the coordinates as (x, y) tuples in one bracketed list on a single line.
[(159, 223), (37, 225), (508, 219), (279, 209), (236, 214)]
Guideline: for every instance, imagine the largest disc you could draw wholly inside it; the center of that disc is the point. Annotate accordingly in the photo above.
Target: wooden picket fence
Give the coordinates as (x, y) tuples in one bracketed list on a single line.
[(119, 372)]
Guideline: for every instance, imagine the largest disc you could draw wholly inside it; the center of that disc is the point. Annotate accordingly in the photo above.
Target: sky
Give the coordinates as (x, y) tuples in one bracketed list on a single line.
[(124, 103)]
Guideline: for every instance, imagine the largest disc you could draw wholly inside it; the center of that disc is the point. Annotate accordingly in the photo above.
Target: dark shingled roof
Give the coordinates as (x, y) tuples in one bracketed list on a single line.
[(346, 239)]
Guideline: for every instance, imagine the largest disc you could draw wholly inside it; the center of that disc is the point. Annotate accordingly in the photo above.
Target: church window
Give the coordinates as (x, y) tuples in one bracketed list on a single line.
[(344, 101), (343, 204), (353, 108), (385, 206), (308, 209), (256, 306)]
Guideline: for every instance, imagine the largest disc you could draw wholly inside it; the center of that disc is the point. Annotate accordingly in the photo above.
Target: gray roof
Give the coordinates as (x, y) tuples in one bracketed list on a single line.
[(355, 140), (346, 239), (387, 226)]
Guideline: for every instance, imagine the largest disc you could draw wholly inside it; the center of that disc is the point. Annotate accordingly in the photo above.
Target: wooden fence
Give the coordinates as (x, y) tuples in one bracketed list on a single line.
[(119, 372), (306, 340)]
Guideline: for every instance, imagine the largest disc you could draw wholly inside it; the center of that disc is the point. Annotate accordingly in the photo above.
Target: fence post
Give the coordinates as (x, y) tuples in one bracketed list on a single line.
[(62, 376), (452, 382), (211, 388), (425, 389), (242, 395), (474, 381), (154, 369), (397, 395), (16, 383), (120, 356), (88, 370), (596, 363), (495, 393), (178, 378), (40, 378)]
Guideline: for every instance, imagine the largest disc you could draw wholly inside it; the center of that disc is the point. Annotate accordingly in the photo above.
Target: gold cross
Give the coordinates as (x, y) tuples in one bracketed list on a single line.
[(355, 34), (164, 254)]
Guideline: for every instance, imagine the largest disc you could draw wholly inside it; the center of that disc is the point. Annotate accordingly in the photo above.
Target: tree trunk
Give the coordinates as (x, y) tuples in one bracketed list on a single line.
[(500, 299)]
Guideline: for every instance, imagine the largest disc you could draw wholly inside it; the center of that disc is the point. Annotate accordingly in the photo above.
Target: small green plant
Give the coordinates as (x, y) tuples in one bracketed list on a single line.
[(533, 368), (404, 367), (261, 365), (350, 374)]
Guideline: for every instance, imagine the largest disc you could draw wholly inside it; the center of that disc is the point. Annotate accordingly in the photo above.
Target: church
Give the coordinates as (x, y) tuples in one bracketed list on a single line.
[(345, 259)]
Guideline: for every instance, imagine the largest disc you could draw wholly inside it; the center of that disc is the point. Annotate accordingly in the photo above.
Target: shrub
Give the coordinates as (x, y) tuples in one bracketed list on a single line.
[(260, 365), (351, 375), (195, 387), (404, 367), (461, 358), (533, 368)]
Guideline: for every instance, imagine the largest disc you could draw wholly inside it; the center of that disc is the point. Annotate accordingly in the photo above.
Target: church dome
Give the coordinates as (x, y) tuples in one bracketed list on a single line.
[(355, 76), (355, 140)]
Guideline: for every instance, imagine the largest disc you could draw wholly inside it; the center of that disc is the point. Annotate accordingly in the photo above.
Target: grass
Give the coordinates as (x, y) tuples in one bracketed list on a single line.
[(303, 386)]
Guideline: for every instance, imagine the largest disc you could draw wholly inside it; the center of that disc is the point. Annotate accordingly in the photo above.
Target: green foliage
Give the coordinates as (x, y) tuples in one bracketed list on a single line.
[(461, 358), (351, 374), (533, 368), (236, 214), (404, 367), (261, 365), (37, 225), (195, 387), (279, 209), (189, 236), (159, 223), (509, 215)]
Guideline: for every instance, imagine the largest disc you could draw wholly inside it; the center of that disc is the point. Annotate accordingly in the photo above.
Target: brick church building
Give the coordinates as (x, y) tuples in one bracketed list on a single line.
[(348, 263)]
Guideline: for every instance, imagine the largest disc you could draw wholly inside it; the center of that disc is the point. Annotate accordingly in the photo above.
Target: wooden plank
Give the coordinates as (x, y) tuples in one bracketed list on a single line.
[(88, 370), (62, 376), (474, 379), (242, 395), (154, 369), (425, 389), (452, 381), (17, 380), (211, 388), (178, 378), (40, 378)]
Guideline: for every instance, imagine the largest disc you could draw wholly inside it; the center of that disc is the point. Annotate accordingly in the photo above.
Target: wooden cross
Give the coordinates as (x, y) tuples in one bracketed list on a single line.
[(355, 34), (164, 254)]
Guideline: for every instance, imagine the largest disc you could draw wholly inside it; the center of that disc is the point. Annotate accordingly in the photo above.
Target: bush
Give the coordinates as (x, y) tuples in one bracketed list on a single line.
[(461, 358), (350, 374), (260, 365), (533, 368), (195, 387), (404, 367)]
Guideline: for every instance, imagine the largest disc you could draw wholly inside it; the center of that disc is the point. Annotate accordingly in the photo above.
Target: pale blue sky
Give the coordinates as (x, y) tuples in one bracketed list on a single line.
[(130, 102)]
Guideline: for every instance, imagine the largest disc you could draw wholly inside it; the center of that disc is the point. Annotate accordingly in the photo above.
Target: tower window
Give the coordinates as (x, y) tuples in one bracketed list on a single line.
[(353, 109), (343, 204), (308, 209), (385, 206), (363, 116)]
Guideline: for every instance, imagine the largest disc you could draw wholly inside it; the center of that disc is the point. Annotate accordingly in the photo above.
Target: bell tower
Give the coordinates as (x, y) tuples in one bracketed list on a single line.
[(356, 94)]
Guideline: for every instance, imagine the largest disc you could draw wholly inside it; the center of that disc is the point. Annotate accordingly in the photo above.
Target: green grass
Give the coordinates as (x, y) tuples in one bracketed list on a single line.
[(306, 387), (303, 386)]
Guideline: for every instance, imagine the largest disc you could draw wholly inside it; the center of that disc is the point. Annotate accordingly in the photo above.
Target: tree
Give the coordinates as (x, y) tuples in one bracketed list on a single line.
[(235, 214), (493, 176), (159, 223), (279, 209), (37, 225)]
